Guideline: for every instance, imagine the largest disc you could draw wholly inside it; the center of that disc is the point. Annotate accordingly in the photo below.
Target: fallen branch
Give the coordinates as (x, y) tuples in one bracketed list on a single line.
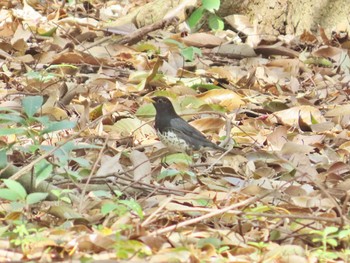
[(137, 35)]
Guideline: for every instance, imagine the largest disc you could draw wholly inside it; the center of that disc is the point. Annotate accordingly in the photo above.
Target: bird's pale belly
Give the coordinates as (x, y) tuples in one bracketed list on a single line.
[(173, 142)]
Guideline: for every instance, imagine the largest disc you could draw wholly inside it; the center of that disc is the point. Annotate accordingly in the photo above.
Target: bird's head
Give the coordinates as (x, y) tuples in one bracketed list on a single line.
[(160, 100), (162, 104)]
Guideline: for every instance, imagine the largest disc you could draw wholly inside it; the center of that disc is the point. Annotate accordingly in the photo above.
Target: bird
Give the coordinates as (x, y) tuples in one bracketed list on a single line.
[(175, 133)]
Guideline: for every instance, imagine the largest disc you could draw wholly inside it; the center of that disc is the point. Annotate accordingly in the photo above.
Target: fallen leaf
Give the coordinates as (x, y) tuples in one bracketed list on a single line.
[(142, 166), (225, 98), (202, 40), (291, 116)]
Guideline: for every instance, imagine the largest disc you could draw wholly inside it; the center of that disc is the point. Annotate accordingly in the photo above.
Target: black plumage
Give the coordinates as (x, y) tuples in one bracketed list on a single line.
[(175, 132)]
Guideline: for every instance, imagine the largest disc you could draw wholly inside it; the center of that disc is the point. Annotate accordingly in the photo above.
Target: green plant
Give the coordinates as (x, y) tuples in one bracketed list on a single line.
[(28, 125), (62, 195), (15, 192), (330, 236), (326, 236), (188, 53), (121, 207), (215, 242), (259, 245), (29, 130), (207, 9), (45, 75), (23, 236), (125, 249)]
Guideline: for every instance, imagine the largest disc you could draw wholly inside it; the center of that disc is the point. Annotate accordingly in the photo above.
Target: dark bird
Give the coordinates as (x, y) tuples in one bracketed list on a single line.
[(175, 132)]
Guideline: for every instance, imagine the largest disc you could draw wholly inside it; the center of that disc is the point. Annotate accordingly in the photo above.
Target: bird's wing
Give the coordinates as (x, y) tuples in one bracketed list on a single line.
[(190, 134), (186, 128)]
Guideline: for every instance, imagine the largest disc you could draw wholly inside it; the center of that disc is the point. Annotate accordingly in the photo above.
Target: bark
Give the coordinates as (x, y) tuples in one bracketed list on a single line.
[(291, 16)]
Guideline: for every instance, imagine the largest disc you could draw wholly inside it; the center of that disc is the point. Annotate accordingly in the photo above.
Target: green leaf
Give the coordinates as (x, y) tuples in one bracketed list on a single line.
[(9, 131), (195, 17), (145, 46), (191, 102), (167, 173), (16, 187), (101, 193), (174, 42), (59, 66), (32, 104), (223, 249), (41, 76), (65, 199), (215, 23), (319, 62), (190, 53), (108, 207), (211, 5), (8, 110), (333, 242), (146, 110), (13, 118), (42, 171), (83, 162), (178, 158), (57, 126), (330, 230), (3, 229), (3, 158), (344, 233), (45, 120), (34, 198), (83, 145), (210, 240), (8, 194), (117, 193), (134, 206), (203, 202), (205, 86), (47, 33)]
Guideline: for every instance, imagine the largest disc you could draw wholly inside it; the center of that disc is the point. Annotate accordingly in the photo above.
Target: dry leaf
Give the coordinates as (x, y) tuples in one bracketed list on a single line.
[(142, 166), (226, 98)]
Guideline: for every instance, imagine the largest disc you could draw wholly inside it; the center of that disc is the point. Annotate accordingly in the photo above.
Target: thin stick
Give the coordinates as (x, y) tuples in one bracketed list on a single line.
[(91, 174), (212, 214), (29, 166), (167, 201)]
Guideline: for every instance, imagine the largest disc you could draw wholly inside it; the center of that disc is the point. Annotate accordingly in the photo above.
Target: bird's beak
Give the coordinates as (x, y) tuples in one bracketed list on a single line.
[(149, 99)]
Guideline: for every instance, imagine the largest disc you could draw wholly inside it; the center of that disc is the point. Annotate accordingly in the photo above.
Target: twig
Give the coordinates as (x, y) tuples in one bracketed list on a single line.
[(29, 166), (167, 201), (91, 174), (316, 218), (212, 214), (137, 35), (323, 190), (218, 159)]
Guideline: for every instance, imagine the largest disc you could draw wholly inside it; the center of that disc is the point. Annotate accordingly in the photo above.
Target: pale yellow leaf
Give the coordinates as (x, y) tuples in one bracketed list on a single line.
[(208, 124), (290, 116), (340, 110), (225, 98), (142, 166)]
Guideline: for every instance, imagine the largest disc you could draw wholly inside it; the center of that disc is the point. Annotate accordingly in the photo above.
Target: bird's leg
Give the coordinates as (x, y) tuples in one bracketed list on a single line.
[(163, 161)]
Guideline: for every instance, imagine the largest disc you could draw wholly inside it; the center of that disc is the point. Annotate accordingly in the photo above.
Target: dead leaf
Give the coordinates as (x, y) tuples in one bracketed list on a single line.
[(277, 138), (235, 51), (290, 116), (202, 40), (226, 98), (208, 124), (142, 166), (109, 165), (339, 110)]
